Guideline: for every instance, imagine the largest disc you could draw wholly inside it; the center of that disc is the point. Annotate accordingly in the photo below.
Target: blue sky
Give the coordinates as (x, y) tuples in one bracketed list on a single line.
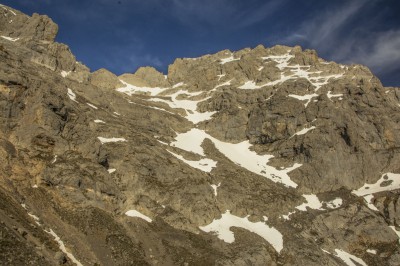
[(122, 35)]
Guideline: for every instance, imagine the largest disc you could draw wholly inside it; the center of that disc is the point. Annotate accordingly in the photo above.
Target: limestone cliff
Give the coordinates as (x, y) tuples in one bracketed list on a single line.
[(264, 156)]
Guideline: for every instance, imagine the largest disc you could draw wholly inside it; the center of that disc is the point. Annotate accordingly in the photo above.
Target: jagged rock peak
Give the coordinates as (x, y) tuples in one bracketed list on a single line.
[(146, 77), (18, 25)]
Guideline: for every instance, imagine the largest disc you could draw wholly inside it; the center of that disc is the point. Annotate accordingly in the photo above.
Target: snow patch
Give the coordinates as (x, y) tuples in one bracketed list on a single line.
[(249, 85), (111, 170), (349, 259), (222, 228), (65, 73), (312, 202), (205, 164), (135, 213), (334, 204), (107, 140), (215, 187), (307, 97), (99, 121), (228, 59), (54, 159), (372, 251), (71, 95), (387, 182), (368, 199)]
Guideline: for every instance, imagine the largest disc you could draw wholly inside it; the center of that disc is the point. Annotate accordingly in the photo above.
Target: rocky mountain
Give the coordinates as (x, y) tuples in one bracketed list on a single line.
[(264, 156)]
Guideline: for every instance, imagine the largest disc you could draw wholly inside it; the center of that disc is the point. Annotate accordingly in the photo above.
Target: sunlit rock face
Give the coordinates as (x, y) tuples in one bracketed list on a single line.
[(264, 156)]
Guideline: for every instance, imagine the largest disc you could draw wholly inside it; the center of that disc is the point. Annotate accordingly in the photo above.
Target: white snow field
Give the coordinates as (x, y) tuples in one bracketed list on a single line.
[(222, 228), (238, 153)]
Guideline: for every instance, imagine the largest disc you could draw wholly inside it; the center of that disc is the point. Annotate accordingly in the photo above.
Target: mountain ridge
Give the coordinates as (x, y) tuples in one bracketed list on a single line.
[(271, 148)]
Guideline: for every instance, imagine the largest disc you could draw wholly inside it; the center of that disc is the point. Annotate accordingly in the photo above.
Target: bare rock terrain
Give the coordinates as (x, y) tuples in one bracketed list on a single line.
[(264, 156)]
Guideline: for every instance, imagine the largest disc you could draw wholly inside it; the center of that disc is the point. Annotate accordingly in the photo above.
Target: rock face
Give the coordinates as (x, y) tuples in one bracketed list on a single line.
[(288, 158)]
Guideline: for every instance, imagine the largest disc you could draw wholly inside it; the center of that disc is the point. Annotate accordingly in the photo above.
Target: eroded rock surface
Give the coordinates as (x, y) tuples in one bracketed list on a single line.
[(300, 156)]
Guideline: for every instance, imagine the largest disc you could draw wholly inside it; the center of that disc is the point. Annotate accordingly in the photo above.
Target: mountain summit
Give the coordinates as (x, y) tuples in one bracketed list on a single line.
[(264, 156)]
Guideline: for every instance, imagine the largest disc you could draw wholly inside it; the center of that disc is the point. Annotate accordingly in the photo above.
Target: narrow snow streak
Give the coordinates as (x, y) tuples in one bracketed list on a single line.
[(334, 95), (62, 247), (135, 213), (99, 121), (396, 231), (205, 164), (107, 140), (178, 85), (238, 153), (227, 83), (291, 72), (93, 106), (10, 38), (215, 187), (222, 228), (307, 97), (190, 106), (349, 259), (130, 89), (303, 131), (228, 59), (9, 10)]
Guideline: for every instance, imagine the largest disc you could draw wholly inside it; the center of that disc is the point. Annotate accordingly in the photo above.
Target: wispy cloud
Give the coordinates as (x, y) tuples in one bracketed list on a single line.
[(324, 28), (223, 13), (337, 35), (258, 13), (380, 52)]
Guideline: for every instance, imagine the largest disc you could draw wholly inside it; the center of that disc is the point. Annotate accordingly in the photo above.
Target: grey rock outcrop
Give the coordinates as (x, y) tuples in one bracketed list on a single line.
[(104, 79)]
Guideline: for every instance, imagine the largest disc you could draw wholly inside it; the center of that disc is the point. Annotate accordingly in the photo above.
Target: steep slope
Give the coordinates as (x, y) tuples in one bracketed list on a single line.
[(287, 158)]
